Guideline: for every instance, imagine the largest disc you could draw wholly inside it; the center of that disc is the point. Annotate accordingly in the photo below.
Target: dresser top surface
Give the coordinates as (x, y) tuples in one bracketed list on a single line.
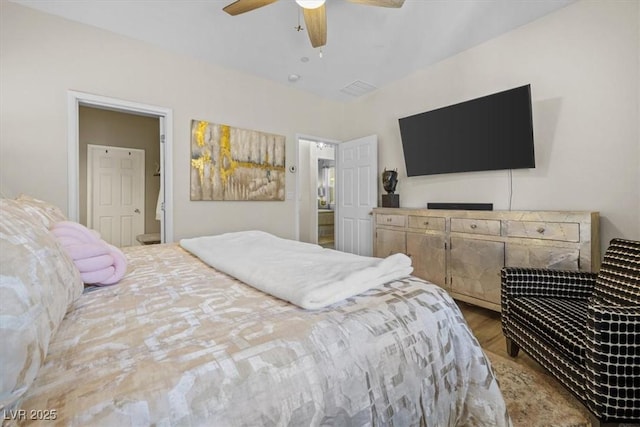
[(529, 215)]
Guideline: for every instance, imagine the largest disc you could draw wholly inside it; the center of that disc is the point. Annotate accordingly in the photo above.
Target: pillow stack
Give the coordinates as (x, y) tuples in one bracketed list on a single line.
[(98, 262)]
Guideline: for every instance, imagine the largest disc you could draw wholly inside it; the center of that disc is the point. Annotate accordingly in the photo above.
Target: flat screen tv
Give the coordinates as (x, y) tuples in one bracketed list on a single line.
[(488, 133)]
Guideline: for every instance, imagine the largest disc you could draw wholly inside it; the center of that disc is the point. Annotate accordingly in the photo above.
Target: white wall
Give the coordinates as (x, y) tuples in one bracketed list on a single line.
[(44, 56), (582, 62), (308, 155), (583, 66)]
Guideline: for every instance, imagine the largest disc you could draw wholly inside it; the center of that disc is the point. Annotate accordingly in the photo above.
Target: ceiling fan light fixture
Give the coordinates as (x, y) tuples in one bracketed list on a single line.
[(310, 4)]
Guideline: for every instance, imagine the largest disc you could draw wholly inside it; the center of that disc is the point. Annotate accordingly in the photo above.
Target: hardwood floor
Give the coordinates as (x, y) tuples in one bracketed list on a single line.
[(485, 325)]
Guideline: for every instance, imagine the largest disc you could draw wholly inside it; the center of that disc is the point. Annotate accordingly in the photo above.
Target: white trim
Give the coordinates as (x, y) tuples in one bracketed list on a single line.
[(165, 116), (300, 136), (73, 156)]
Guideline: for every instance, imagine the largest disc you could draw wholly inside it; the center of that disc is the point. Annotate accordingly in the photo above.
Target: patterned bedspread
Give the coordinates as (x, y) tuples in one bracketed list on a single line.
[(179, 343)]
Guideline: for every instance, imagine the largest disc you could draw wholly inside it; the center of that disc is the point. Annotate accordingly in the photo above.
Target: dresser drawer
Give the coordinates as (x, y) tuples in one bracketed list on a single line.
[(563, 231), (475, 226), (390, 219), (426, 222)]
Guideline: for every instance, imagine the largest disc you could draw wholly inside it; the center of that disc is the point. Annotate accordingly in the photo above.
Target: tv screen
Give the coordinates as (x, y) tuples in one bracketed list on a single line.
[(488, 133)]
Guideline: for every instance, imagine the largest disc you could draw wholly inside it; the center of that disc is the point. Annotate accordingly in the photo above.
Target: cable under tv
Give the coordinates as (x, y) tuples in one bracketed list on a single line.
[(461, 206)]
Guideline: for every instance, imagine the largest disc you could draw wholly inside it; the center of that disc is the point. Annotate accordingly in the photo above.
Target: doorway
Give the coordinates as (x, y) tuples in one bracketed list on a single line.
[(115, 131), (317, 191), (161, 171), (355, 191), (326, 194)]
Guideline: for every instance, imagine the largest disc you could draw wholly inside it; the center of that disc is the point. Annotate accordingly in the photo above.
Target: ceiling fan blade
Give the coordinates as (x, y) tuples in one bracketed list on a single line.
[(242, 6), (316, 22), (381, 3)]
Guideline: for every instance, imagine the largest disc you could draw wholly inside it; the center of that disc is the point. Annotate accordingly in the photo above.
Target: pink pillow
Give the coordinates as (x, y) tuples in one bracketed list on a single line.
[(120, 264), (94, 263), (83, 250), (98, 262), (76, 231), (98, 277)]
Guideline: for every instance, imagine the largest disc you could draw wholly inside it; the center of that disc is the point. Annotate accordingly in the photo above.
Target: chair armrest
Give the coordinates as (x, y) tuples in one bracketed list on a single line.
[(613, 360), (542, 282)]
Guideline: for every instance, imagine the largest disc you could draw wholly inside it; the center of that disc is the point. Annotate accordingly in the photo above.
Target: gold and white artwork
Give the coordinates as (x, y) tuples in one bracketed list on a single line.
[(229, 163)]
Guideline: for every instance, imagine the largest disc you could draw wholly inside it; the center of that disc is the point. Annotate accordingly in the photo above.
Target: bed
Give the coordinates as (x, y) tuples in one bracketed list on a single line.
[(177, 342)]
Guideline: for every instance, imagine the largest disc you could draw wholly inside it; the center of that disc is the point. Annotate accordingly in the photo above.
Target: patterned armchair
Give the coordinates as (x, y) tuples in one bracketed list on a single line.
[(584, 328)]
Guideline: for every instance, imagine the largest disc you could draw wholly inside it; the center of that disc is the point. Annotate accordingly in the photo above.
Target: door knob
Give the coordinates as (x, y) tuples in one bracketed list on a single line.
[(137, 210)]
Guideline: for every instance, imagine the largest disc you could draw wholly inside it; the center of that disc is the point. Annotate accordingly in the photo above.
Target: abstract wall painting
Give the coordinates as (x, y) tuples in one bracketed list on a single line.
[(229, 163)]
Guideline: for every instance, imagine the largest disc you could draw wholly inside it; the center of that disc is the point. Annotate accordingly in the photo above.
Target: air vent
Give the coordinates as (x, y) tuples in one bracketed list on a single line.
[(358, 88)]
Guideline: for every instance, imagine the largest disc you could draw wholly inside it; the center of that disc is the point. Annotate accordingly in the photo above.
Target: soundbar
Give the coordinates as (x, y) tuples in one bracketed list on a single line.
[(462, 206)]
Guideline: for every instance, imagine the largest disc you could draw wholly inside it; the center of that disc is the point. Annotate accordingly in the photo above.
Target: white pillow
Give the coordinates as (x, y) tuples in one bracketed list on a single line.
[(38, 284), (41, 210)]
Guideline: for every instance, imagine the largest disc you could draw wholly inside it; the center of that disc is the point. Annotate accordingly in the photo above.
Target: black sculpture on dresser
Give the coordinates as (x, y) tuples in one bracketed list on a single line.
[(389, 182)]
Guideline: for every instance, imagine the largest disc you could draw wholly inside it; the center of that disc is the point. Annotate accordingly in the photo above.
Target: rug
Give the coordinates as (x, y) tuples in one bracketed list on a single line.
[(535, 399)]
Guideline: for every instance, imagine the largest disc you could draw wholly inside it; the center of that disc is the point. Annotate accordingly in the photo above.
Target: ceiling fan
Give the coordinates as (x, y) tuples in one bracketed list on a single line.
[(314, 13)]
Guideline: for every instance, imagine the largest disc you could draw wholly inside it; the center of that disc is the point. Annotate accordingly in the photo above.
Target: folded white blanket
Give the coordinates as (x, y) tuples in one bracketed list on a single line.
[(305, 274)]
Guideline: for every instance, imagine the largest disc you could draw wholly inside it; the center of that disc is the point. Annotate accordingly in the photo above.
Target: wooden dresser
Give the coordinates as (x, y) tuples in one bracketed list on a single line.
[(464, 251)]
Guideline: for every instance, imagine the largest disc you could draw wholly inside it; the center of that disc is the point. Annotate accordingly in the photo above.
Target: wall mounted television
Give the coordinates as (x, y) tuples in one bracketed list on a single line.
[(488, 133)]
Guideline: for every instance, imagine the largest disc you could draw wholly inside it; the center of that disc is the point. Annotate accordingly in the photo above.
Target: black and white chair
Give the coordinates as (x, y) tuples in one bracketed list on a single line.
[(584, 328)]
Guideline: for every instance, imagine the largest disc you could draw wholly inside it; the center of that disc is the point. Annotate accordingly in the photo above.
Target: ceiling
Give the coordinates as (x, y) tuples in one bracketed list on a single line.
[(372, 45)]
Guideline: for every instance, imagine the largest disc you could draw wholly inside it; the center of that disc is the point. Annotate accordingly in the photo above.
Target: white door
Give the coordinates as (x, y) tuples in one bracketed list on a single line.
[(115, 189), (357, 170)]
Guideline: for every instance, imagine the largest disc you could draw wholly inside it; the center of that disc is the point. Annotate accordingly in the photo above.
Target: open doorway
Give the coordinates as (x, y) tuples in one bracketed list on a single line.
[(355, 191), (317, 191), (128, 213), (326, 194), (163, 172)]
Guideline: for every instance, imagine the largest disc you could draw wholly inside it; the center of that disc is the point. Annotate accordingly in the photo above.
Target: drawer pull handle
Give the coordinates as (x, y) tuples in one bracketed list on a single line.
[(426, 223), (540, 230), (473, 226)]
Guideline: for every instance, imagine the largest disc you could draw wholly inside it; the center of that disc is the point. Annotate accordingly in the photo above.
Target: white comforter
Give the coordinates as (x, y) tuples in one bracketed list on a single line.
[(304, 274), (177, 343)]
